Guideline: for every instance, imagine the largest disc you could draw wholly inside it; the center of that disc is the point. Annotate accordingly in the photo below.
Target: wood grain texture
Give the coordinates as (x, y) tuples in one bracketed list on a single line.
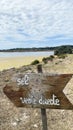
[(41, 87)]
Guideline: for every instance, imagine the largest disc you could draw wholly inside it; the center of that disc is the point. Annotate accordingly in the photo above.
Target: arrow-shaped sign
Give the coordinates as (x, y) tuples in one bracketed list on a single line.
[(39, 90)]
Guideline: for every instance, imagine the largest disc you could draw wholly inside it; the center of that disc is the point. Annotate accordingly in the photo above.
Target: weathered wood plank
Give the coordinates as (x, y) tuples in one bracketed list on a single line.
[(39, 90)]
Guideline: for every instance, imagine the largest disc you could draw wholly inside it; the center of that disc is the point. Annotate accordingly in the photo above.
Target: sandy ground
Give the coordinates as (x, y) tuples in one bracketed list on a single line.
[(13, 118), (10, 62)]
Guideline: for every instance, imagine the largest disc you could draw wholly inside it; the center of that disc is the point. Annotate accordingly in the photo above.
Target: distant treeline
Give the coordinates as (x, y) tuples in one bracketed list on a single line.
[(28, 49), (35, 49), (63, 50)]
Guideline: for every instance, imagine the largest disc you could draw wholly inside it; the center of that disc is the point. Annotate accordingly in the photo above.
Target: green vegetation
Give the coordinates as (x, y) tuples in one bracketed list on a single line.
[(46, 59), (34, 49), (62, 56), (63, 50), (35, 62)]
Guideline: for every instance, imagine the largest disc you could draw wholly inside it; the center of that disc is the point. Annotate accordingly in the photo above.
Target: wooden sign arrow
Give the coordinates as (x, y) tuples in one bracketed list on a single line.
[(39, 90)]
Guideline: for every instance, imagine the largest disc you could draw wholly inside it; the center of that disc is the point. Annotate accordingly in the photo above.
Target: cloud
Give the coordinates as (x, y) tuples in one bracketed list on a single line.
[(42, 21)]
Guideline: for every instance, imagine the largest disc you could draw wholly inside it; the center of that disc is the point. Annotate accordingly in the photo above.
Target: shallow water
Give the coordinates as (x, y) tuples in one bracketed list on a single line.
[(15, 54)]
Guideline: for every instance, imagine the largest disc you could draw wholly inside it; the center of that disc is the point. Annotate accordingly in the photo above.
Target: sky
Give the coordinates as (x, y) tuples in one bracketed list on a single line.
[(35, 23)]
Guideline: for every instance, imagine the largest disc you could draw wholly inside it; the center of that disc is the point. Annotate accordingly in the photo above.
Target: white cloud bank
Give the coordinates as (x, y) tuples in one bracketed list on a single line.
[(28, 23)]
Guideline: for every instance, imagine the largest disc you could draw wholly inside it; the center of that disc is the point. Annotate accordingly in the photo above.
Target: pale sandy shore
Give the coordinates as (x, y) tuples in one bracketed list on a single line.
[(10, 62)]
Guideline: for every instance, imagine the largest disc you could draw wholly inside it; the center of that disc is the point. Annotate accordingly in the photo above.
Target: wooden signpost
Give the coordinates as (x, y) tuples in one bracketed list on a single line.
[(38, 90)]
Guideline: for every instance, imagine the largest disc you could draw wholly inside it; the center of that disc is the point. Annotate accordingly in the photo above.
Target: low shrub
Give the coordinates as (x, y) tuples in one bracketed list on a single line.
[(50, 58), (35, 62), (45, 60), (63, 56)]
